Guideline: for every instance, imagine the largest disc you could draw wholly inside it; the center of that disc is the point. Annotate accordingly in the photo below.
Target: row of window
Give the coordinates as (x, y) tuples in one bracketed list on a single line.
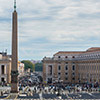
[(66, 67), (66, 56), (66, 62), (89, 75), (66, 78), (91, 55), (84, 56), (73, 74), (91, 67)]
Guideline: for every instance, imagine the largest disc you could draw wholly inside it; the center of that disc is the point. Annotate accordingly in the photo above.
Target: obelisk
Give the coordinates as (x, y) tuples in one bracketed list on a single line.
[(14, 70)]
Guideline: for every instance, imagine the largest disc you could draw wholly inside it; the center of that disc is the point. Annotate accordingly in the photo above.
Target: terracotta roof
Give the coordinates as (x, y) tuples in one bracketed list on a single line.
[(94, 49), (79, 52), (69, 52)]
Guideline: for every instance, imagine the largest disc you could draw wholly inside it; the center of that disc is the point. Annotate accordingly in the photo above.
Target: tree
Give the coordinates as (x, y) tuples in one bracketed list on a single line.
[(38, 67), (28, 64)]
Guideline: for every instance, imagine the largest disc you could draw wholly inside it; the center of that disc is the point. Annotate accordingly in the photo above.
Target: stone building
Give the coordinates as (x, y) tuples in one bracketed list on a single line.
[(73, 66), (21, 69), (5, 68)]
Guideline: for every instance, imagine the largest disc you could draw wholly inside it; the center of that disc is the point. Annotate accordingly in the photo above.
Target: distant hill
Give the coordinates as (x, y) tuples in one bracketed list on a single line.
[(35, 61)]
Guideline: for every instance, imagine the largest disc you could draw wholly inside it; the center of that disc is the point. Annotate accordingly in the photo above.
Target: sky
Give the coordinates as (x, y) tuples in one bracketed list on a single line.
[(48, 26)]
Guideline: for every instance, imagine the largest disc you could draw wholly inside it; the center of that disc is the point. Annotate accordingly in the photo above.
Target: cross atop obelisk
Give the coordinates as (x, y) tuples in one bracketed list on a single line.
[(14, 5), (14, 70)]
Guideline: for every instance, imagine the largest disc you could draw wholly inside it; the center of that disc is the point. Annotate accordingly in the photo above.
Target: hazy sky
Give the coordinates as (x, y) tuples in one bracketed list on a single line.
[(49, 26)]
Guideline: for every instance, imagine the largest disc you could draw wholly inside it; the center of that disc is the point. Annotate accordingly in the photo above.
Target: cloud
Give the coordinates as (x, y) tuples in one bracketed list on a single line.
[(48, 26)]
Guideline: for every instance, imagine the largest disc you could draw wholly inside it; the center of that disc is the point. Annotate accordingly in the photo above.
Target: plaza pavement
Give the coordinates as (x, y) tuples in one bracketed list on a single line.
[(64, 95)]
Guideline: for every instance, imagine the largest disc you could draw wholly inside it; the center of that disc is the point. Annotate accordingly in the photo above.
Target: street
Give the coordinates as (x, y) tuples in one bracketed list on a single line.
[(31, 93)]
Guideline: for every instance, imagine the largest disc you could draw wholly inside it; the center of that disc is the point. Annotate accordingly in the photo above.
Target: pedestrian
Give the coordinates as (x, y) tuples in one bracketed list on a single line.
[(2, 84)]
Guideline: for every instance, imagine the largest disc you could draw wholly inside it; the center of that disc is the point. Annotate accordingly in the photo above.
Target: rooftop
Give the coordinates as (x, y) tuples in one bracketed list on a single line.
[(92, 49)]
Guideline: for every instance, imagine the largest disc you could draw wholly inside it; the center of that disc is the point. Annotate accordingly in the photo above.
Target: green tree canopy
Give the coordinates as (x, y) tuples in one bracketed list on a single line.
[(28, 64), (38, 67)]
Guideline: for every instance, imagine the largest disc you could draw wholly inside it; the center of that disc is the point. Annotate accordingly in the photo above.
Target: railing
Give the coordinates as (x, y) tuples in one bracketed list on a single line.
[(71, 59)]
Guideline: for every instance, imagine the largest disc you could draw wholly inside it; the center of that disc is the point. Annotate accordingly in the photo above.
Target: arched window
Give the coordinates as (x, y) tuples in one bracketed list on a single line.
[(73, 78), (66, 78), (59, 74), (59, 57), (66, 74), (59, 67), (66, 57), (73, 67), (66, 67), (73, 57), (73, 74)]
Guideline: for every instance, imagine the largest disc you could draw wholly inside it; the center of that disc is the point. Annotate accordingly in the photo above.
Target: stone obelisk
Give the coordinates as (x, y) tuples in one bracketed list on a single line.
[(14, 70)]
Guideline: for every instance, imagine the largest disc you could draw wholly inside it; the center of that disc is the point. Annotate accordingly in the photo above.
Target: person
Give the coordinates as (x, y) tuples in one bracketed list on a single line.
[(35, 89), (40, 94), (1, 93), (99, 89), (58, 94), (2, 84)]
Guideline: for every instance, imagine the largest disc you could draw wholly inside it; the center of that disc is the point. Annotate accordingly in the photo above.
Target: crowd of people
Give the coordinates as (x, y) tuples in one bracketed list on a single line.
[(35, 83), (54, 88), (30, 80)]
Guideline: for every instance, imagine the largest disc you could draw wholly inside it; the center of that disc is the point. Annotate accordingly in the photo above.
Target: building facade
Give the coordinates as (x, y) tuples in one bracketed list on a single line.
[(73, 67), (5, 68), (20, 69)]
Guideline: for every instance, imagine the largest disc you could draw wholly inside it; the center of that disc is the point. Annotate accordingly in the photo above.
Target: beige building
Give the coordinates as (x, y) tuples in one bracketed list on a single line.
[(5, 68), (73, 66), (21, 69)]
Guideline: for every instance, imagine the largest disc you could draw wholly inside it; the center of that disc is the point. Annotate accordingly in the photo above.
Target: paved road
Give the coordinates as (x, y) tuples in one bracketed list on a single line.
[(64, 95), (69, 96), (73, 96)]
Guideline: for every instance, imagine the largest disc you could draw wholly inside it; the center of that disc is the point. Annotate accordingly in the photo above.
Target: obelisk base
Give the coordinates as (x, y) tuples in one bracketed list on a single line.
[(14, 81), (13, 96), (14, 88)]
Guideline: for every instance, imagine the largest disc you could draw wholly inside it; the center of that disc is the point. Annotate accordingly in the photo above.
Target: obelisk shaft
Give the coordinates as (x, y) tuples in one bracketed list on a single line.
[(14, 72), (14, 43)]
